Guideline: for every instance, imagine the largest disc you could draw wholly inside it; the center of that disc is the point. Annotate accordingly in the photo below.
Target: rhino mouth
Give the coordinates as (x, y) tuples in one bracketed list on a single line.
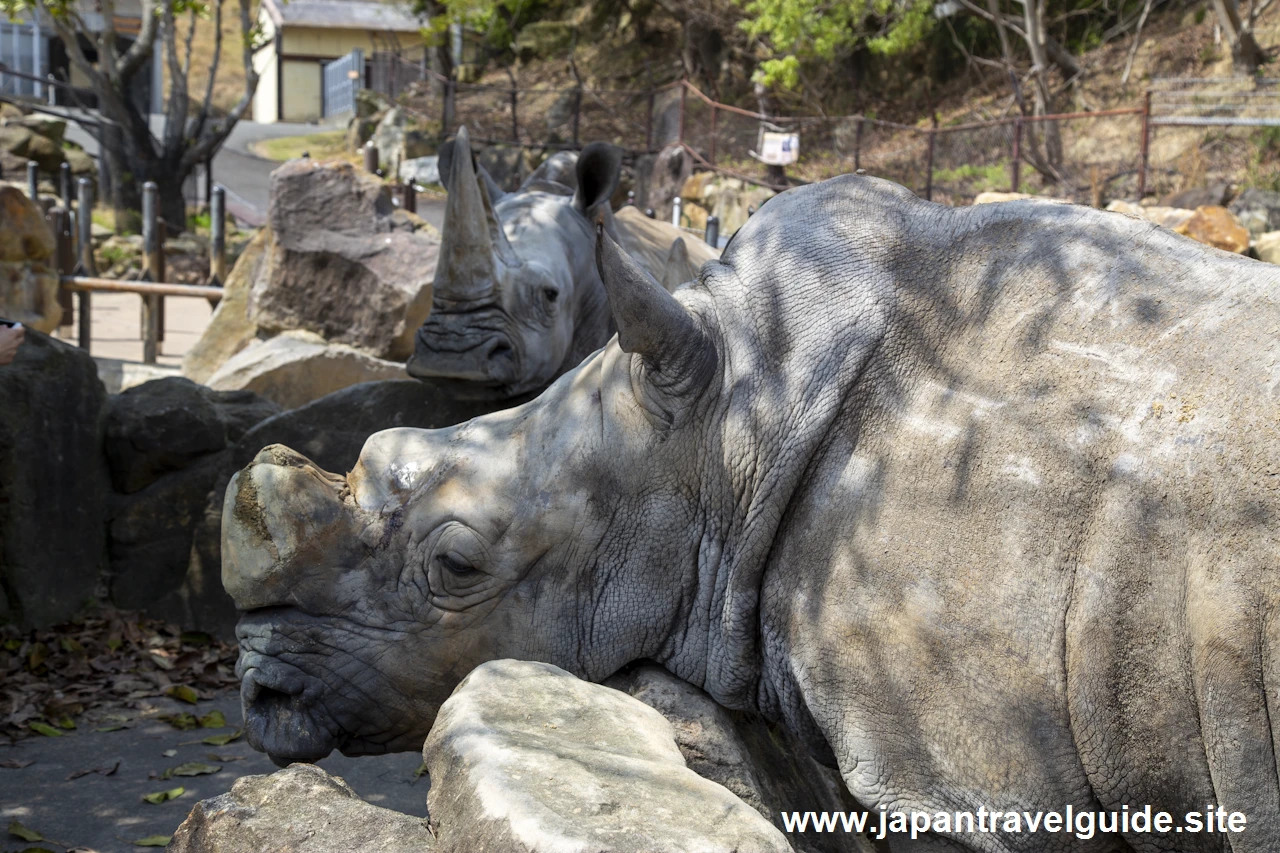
[(280, 720)]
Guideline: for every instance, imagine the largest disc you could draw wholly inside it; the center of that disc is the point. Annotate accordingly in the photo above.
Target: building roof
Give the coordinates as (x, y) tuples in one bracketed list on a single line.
[(342, 14)]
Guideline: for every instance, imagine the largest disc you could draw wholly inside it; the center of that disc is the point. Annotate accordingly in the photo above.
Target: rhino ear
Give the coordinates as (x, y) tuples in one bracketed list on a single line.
[(599, 166), (679, 357), (495, 192), (444, 161), (675, 272)]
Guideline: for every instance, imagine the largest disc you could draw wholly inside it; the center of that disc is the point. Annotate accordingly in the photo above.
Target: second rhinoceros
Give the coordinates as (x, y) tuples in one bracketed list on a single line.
[(979, 502), (517, 300)]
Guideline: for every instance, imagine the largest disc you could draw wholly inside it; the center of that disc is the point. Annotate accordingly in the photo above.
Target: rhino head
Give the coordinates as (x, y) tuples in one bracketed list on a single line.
[(517, 300), (554, 531)]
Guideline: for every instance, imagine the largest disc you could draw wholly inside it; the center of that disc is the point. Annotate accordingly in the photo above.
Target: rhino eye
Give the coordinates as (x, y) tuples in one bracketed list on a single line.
[(454, 564), (550, 294)]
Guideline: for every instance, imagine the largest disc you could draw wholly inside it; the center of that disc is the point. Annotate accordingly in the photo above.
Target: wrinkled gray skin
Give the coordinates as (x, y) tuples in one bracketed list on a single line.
[(980, 502), (517, 300)]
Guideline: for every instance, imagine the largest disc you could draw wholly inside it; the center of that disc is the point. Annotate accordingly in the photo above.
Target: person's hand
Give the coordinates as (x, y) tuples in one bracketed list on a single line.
[(10, 339)]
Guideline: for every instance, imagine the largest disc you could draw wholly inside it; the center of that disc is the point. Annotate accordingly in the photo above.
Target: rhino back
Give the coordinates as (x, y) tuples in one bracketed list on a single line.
[(1028, 557), (649, 242)]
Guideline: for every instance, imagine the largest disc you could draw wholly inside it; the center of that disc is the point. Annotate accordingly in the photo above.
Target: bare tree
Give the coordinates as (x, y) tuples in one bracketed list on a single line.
[(1246, 55), (134, 154)]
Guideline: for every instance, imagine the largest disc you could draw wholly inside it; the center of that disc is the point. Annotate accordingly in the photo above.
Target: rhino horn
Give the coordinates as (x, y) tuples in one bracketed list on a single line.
[(677, 351), (473, 242), (283, 521)]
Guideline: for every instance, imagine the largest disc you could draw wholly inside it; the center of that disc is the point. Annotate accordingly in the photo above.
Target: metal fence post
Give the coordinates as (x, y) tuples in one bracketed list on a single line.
[(677, 207), (370, 157), (713, 231), (1146, 146), (218, 236), (684, 94), (648, 123), (928, 180), (857, 145), (87, 264), (64, 172), (1016, 166), (150, 242), (33, 180), (515, 121), (410, 199), (649, 212), (577, 113)]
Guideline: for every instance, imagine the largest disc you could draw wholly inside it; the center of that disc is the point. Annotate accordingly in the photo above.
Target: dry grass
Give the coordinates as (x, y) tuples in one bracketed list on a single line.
[(325, 145)]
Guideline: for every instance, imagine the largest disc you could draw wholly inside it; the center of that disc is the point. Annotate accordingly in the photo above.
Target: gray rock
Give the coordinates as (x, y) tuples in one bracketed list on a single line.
[(524, 756), (759, 763), (343, 262), (152, 530), (1258, 210), (660, 177), (297, 367), (1212, 195), (165, 424), (421, 170), (53, 481), (300, 809), (397, 141)]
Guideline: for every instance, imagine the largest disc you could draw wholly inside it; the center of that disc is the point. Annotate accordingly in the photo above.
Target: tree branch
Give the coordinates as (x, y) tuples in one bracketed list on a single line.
[(204, 146), (207, 105), (138, 52)]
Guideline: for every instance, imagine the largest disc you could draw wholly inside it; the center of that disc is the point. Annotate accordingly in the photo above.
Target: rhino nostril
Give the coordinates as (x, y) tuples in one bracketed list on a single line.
[(500, 350)]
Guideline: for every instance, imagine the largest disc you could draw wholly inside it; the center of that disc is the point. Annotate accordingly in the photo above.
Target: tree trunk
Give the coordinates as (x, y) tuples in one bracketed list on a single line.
[(1050, 164), (1246, 55)]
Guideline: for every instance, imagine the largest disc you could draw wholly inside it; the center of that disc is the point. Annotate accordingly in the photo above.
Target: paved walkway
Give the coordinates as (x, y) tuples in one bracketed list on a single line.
[(117, 326), (107, 813)]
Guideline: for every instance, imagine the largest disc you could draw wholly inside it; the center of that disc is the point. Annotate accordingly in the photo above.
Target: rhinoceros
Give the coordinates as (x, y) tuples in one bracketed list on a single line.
[(517, 300), (980, 503)]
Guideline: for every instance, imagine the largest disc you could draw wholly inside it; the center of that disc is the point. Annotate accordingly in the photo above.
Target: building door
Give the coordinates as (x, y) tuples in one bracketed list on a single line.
[(300, 84)]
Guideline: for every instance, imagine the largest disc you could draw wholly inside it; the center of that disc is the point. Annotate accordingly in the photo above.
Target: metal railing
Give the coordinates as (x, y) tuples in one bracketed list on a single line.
[(342, 78)]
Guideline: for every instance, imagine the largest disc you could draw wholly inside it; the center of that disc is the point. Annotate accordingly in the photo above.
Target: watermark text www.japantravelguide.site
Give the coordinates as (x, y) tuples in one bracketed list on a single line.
[(1083, 824)]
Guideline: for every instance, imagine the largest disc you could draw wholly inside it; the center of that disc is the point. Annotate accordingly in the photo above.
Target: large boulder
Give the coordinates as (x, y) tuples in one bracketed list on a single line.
[(729, 199), (1210, 195), (1267, 247), (167, 444), (300, 809), (343, 262), (524, 756), (230, 329), (28, 280), (398, 141), (19, 143), (53, 482), (1257, 210), (759, 763), (295, 368)]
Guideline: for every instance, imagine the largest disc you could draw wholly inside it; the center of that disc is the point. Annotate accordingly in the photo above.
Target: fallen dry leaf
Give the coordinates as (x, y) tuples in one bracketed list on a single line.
[(101, 771), (16, 763)]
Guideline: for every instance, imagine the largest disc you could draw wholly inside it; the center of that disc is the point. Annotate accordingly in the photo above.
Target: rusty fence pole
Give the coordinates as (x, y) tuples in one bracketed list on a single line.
[(1016, 166), (928, 180), (87, 266), (218, 236), (857, 144), (515, 121), (684, 94), (150, 303), (64, 258), (33, 180), (1145, 154), (712, 152)]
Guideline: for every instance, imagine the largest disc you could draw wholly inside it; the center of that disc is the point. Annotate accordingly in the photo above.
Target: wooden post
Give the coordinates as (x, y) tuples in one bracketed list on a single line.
[(151, 255), (64, 258), (218, 237), (410, 196), (208, 182), (33, 180), (1016, 166), (87, 264), (1146, 146), (712, 152)]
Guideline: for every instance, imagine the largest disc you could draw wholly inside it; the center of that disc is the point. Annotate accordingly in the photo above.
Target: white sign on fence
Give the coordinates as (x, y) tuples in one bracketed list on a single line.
[(778, 149)]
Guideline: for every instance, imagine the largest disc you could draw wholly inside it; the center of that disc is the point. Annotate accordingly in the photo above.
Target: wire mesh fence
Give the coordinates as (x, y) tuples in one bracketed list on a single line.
[(1087, 158)]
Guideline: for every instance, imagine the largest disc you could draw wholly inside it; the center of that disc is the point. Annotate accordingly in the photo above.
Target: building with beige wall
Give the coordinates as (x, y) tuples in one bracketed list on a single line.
[(305, 34)]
